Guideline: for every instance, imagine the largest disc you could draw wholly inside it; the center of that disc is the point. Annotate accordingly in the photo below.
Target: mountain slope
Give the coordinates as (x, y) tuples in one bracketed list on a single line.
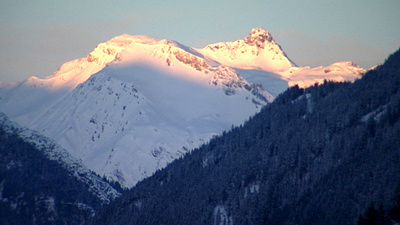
[(316, 156), (41, 183), (136, 103)]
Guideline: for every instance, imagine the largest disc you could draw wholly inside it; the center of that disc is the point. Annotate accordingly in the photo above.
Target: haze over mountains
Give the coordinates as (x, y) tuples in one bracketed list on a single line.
[(136, 103)]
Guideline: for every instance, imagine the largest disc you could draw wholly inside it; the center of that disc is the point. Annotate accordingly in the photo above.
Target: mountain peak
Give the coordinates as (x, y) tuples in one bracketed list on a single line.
[(258, 32), (257, 51), (258, 37)]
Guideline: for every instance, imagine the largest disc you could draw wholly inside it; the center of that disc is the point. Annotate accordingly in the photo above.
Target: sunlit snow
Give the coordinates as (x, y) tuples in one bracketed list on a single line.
[(136, 103)]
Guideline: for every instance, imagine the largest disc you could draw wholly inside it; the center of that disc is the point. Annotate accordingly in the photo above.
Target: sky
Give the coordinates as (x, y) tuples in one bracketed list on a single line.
[(37, 37)]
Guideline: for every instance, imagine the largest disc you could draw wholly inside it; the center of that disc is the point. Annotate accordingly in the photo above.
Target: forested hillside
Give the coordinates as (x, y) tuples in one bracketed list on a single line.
[(322, 155), (35, 189)]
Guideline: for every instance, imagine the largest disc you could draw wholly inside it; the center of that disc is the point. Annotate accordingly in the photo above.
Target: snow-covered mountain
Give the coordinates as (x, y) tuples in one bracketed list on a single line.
[(136, 103)]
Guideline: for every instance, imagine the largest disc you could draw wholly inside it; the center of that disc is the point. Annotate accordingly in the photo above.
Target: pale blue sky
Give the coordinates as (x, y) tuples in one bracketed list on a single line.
[(37, 37)]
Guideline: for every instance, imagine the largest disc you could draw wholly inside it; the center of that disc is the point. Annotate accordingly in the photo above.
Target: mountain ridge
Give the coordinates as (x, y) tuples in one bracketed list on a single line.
[(109, 51), (41, 183)]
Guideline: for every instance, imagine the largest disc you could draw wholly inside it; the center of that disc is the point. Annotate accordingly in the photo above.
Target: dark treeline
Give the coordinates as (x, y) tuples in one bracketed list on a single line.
[(329, 154), (36, 190)]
